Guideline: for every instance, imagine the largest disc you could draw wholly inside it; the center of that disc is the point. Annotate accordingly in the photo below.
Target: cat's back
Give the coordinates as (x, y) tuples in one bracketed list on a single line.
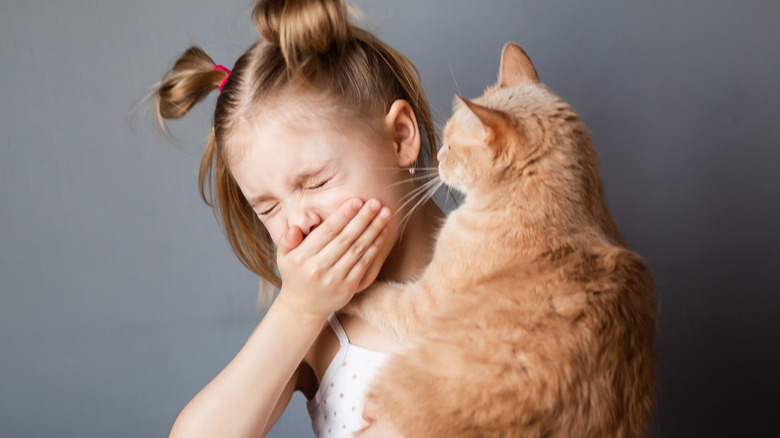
[(578, 321), (590, 291)]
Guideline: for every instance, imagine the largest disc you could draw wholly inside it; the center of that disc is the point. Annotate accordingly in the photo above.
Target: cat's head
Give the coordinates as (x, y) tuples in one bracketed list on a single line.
[(516, 132)]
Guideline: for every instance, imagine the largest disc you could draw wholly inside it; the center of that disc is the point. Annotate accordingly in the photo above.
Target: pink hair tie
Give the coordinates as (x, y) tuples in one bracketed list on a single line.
[(226, 70)]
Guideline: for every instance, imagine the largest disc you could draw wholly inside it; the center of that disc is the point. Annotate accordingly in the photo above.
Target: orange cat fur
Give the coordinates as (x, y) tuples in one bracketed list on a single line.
[(533, 319)]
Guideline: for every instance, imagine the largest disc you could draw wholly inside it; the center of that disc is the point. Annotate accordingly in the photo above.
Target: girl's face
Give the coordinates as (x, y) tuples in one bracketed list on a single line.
[(298, 174)]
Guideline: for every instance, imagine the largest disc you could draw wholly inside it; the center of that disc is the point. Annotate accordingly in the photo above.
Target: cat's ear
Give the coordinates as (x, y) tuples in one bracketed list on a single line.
[(497, 124), (516, 67)]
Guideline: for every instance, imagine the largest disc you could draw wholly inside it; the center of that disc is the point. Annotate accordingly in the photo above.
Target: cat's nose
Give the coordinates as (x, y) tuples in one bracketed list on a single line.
[(442, 151)]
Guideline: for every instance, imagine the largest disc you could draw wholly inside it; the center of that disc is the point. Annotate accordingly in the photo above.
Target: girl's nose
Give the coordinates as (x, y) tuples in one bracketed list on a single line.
[(304, 218)]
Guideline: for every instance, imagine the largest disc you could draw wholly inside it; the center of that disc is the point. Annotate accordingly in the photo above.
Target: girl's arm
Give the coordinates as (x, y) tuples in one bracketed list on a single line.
[(284, 400), (321, 274), (240, 401)]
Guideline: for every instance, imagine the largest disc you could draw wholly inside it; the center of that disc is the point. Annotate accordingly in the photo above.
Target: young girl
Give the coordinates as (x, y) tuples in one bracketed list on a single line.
[(316, 135)]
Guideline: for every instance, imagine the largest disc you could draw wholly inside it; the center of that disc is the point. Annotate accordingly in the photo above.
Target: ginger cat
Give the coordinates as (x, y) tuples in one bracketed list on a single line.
[(533, 319)]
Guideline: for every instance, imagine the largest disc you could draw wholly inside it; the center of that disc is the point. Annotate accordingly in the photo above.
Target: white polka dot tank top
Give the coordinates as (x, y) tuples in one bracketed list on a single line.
[(336, 410)]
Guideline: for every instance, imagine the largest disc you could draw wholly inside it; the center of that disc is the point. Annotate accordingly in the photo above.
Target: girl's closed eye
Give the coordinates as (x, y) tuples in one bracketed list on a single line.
[(319, 185), (267, 211)]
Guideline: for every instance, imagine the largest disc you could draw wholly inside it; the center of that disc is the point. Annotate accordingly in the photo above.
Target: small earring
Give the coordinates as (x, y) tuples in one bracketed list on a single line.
[(411, 170)]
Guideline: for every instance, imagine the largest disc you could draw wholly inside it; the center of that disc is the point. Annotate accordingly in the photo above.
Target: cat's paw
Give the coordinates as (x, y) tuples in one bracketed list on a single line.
[(381, 306), (378, 427), (368, 301)]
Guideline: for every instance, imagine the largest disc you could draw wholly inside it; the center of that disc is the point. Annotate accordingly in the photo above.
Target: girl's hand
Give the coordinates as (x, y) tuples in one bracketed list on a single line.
[(322, 272)]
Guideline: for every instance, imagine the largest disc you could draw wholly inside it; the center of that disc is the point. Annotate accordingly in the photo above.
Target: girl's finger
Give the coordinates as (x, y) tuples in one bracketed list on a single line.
[(359, 268), (331, 227), (291, 239), (356, 236)]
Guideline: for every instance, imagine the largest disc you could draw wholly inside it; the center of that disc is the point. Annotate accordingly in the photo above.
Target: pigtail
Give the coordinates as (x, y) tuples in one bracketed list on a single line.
[(192, 78)]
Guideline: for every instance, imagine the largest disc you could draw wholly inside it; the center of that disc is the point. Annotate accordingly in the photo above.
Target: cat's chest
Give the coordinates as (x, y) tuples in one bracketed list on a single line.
[(469, 234), (467, 242), (455, 241), (478, 245)]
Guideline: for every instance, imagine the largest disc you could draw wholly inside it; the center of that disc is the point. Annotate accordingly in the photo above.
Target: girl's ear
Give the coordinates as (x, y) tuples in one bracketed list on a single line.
[(402, 123)]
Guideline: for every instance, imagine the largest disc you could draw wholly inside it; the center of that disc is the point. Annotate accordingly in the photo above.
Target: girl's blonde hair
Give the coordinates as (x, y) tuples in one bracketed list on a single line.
[(305, 44)]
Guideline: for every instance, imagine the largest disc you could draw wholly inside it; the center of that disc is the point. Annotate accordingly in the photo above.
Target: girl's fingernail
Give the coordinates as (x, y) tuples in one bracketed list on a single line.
[(385, 213), (356, 204), (374, 205)]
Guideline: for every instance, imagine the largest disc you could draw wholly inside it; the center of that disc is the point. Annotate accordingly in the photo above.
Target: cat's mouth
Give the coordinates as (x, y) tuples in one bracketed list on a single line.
[(452, 183)]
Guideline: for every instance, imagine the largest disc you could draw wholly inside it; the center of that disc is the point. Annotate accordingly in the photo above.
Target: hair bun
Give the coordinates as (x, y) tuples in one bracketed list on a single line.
[(302, 28)]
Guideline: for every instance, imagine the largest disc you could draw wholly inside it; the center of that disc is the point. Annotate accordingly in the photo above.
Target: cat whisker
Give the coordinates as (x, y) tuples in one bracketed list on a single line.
[(417, 190), (416, 169), (411, 179), (407, 198), (424, 198), (414, 192), (454, 80), (424, 192)]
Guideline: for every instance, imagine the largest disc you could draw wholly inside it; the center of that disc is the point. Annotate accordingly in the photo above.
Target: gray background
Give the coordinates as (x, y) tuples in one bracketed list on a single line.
[(120, 299)]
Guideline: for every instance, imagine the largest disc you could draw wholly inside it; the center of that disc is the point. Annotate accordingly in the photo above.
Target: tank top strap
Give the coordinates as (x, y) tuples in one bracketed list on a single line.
[(335, 325)]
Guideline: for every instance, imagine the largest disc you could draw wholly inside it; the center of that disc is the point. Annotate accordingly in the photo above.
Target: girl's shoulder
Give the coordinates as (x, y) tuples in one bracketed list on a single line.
[(359, 332), (317, 359), (322, 351)]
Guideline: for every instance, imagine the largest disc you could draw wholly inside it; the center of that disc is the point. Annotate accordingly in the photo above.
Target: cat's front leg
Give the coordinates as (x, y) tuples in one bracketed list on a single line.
[(393, 308), (379, 429)]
